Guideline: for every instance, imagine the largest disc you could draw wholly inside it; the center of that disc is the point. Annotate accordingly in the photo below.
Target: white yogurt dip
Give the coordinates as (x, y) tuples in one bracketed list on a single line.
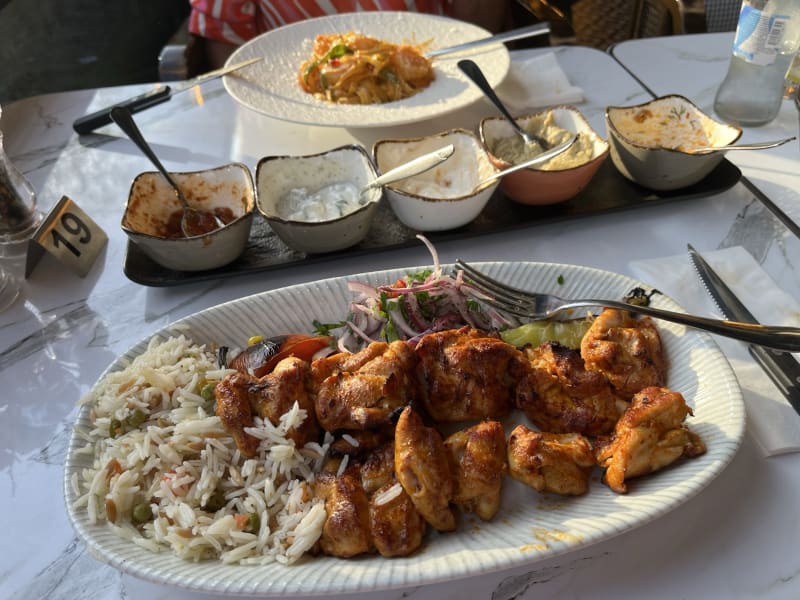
[(330, 202)]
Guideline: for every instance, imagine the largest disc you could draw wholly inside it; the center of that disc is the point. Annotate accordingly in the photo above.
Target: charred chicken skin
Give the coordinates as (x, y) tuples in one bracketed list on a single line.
[(396, 525), (241, 396), (550, 462), (377, 469), (367, 509), (478, 458), (649, 436), (401, 477), (467, 375), (560, 396), (363, 390), (422, 467), (346, 531), (627, 349)]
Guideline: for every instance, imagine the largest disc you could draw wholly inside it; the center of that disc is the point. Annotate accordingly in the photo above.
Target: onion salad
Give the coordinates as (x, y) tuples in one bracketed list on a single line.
[(420, 303)]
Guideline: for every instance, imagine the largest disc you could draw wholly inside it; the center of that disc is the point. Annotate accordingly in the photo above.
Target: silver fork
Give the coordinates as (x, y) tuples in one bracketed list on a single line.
[(538, 306)]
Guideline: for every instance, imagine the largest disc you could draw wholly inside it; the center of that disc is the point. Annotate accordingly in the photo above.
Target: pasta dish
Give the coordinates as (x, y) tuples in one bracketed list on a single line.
[(356, 69)]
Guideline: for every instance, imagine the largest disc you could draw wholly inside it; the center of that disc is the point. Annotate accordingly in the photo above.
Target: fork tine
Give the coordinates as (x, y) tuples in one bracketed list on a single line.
[(483, 281), (502, 296)]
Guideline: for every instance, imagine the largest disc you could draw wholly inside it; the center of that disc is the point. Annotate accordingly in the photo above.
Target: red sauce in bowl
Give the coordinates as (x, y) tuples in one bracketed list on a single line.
[(202, 222)]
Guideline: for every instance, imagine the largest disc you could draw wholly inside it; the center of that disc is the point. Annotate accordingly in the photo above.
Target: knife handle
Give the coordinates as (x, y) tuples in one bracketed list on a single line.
[(89, 123), (783, 369)]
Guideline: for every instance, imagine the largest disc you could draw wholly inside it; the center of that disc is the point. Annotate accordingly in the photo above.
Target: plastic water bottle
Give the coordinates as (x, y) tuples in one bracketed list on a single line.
[(767, 38)]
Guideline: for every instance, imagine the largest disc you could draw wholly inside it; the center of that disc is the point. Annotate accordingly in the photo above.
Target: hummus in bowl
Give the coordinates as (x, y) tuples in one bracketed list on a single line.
[(560, 178)]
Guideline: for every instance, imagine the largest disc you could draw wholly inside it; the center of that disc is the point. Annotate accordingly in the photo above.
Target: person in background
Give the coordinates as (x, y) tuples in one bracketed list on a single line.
[(219, 26)]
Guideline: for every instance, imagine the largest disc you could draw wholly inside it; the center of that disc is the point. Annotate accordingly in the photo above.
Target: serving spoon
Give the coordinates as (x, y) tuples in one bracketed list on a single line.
[(191, 218), (413, 167), (473, 71), (539, 158), (752, 146)]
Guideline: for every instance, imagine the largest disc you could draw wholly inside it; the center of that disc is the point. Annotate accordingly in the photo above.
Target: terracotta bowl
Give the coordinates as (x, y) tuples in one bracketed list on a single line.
[(556, 180)]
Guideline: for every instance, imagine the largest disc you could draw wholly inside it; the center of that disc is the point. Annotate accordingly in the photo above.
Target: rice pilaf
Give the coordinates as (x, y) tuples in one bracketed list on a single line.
[(166, 475)]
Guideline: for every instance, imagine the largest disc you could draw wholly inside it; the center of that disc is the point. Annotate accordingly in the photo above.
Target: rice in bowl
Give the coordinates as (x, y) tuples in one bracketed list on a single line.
[(166, 475)]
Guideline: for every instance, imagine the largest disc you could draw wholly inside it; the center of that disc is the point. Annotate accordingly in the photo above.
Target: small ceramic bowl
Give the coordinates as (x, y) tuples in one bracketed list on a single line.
[(560, 178), (448, 196), (280, 177), (649, 142), (226, 190)]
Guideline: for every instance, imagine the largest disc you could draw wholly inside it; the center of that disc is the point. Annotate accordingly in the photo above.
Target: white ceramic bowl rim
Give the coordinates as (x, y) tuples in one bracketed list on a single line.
[(246, 214), (273, 217), (442, 134), (705, 115), (563, 107)]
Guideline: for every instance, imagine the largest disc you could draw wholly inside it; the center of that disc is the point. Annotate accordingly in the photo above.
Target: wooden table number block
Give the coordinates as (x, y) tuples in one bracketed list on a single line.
[(70, 236)]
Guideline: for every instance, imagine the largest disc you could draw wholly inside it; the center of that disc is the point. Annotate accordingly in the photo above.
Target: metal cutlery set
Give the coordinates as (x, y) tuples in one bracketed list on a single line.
[(769, 345)]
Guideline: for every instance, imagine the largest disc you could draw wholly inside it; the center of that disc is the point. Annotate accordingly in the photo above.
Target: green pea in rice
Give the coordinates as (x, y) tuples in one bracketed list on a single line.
[(156, 442)]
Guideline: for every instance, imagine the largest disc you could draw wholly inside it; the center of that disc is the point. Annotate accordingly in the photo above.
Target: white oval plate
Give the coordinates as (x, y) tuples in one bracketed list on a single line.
[(530, 527), (271, 87)]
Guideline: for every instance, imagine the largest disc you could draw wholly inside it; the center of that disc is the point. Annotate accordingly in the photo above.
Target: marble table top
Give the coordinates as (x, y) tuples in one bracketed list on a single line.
[(735, 539)]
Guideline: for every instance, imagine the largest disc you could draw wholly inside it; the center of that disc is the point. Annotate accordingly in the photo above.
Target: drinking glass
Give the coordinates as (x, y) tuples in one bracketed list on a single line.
[(18, 221)]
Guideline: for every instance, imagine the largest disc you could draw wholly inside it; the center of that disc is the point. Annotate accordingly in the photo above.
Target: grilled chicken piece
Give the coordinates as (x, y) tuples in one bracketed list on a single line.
[(395, 523), (241, 396), (466, 375), (378, 468), (560, 396), (422, 467), (367, 442), (627, 349), (362, 390), (346, 531), (397, 526), (550, 462), (478, 458), (649, 436)]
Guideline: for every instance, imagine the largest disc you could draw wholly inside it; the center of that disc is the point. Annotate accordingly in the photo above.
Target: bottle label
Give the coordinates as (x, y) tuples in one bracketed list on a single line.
[(759, 35)]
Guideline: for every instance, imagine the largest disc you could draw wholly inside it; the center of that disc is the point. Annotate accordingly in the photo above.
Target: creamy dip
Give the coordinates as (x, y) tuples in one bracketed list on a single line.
[(514, 150), (441, 182), (457, 177), (330, 202), (674, 126)]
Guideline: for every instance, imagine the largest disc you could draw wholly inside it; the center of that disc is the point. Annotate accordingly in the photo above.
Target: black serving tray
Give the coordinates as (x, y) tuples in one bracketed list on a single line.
[(608, 192)]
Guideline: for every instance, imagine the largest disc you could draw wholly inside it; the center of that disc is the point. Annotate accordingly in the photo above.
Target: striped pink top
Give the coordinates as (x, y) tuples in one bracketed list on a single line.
[(237, 21)]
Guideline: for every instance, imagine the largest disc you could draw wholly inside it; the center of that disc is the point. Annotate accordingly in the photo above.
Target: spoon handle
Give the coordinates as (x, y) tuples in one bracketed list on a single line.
[(473, 71), (124, 119), (413, 167), (761, 145), (753, 146), (540, 158)]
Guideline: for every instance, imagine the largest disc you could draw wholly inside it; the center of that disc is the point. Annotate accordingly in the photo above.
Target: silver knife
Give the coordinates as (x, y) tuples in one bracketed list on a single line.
[(508, 36), (782, 367), (89, 123)]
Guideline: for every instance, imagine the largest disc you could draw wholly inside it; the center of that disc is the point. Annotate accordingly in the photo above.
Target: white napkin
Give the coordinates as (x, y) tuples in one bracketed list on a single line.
[(537, 82), (771, 420)]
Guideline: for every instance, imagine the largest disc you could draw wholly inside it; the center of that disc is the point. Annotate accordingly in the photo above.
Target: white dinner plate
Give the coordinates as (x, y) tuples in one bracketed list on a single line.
[(529, 527), (271, 87)]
